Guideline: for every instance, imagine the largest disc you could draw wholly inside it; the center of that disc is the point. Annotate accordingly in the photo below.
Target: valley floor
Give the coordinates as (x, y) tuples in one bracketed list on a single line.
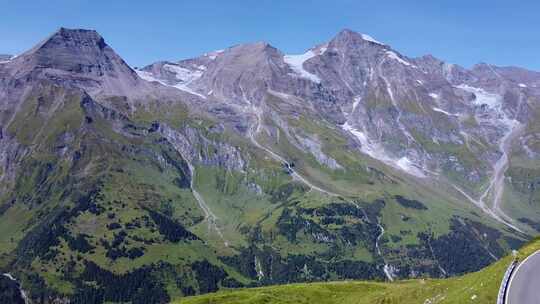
[(480, 287)]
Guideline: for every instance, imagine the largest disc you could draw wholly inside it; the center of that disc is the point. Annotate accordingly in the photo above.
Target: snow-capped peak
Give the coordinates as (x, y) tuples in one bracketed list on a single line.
[(213, 55), (371, 39)]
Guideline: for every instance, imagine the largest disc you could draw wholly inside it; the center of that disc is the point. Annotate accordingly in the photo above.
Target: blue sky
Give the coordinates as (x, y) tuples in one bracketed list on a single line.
[(460, 31)]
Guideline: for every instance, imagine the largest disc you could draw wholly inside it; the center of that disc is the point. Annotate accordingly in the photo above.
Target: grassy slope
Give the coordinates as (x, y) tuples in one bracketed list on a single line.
[(133, 177), (480, 287)]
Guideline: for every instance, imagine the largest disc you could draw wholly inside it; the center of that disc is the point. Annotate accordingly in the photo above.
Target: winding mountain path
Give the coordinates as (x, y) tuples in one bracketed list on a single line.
[(524, 284), (482, 206), (490, 200)]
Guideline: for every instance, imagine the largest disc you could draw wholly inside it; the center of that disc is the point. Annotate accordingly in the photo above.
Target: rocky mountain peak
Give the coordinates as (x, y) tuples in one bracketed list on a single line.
[(79, 58), (482, 67), (259, 50), (347, 34), (348, 39), (80, 42), (77, 51), (260, 45), (77, 37)]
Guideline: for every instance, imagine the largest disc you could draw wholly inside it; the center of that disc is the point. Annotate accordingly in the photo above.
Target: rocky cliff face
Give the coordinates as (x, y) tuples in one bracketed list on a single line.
[(79, 56), (248, 166)]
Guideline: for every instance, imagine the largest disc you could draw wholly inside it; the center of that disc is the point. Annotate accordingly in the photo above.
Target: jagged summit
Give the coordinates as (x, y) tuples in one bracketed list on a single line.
[(69, 38), (251, 51), (80, 58), (258, 45), (74, 50), (84, 37), (348, 34), (347, 37)]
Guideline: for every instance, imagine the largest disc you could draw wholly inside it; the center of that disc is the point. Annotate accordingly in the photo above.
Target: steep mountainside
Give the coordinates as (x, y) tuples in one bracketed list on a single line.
[(481, 287), (247, 167)]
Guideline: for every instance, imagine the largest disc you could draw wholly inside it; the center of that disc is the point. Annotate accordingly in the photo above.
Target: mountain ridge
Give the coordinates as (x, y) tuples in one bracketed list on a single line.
[(248, 167)]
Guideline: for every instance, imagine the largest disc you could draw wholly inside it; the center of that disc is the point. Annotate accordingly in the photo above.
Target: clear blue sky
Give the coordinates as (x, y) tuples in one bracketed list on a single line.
[(459, 31)]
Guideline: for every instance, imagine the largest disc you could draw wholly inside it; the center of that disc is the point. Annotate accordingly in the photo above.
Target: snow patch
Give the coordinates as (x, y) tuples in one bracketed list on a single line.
[(443, 111), (371, 39), (408, 166), (357, 100), (483, 97), (147, 76), (494, 102), (434, 96), (394, 56), (296, 62), (322, 49), (375, 151), (184, 76), (522, 85)]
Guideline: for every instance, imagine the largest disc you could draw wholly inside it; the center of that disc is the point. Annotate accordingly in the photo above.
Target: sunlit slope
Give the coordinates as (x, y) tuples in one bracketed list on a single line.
[(479, 287)]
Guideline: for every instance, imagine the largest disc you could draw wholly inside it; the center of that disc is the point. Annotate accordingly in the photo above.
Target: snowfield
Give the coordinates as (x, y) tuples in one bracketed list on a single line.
[(296, 62), (375, 151)]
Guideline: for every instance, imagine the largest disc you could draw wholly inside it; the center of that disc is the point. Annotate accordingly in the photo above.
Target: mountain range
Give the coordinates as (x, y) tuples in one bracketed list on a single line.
[(247, 166)]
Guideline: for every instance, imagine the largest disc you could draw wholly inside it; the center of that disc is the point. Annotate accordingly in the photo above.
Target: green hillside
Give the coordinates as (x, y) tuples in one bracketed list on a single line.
[(102, 197), (480, 287)]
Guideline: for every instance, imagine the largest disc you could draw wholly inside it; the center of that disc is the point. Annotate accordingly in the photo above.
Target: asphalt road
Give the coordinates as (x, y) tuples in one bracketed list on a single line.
[(524, 286)]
